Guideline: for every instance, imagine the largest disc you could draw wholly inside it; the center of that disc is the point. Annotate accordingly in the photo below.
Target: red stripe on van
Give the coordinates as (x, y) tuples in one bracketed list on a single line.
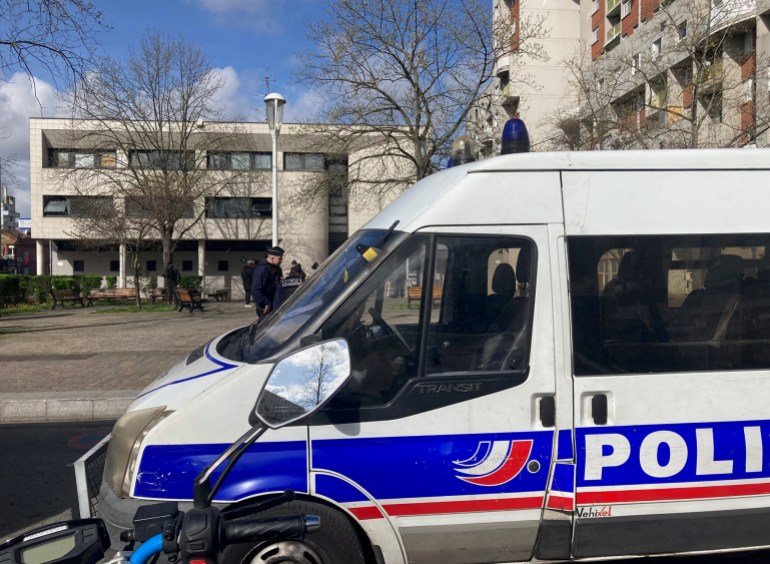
[(560, 502), (671, 494), (441, 507)]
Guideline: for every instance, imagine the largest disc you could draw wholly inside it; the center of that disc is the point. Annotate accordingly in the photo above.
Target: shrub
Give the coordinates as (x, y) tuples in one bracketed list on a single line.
[(112, 281), (11, 291), (190, 282)]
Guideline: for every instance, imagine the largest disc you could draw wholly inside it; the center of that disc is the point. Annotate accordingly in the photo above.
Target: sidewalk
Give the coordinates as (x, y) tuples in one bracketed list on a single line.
[(76, 364)]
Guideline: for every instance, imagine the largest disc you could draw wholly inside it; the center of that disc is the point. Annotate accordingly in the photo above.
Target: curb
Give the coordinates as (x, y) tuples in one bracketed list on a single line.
[(82, 405)]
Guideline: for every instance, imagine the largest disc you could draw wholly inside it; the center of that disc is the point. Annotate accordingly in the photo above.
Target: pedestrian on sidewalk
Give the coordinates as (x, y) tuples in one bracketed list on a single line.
[(247, 276), (266, 283), (296, 271), (172, 280)]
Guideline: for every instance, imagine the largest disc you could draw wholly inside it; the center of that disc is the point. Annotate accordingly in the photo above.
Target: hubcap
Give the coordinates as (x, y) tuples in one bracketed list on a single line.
[(287, 552)]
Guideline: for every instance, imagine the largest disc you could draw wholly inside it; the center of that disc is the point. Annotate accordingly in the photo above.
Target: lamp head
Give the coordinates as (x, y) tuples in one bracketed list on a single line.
[(274, 104)]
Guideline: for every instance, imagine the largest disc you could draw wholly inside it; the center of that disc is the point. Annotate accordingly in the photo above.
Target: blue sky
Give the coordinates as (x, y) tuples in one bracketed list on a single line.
[(246, 40)]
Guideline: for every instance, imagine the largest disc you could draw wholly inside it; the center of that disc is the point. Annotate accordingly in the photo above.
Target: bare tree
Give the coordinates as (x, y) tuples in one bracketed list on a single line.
[(57, 35), (143, 121), (400, 77), (684, 79)]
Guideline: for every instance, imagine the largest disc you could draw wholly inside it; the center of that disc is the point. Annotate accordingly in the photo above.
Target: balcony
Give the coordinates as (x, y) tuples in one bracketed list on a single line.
[(658, 100), (711, 76), (730, 12), (613, 7), (613, 32)]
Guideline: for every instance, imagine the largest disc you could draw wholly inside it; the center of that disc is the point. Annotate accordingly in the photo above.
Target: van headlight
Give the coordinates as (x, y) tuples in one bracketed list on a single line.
[(127, 436)]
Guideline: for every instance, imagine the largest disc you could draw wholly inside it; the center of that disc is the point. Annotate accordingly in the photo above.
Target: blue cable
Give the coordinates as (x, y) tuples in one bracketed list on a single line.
[(150, 548)]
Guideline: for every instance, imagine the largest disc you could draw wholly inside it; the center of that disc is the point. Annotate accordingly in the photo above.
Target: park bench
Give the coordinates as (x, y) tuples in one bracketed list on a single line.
[(158, 294), (60, 297), (188, 299), (414, 293), (220, 295), (128, 294)]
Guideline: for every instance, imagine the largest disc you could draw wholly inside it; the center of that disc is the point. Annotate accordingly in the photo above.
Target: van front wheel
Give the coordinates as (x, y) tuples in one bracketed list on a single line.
[(335, 542)]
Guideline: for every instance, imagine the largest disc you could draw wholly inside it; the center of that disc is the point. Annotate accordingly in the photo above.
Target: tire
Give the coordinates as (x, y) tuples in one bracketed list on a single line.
[(335, 543)]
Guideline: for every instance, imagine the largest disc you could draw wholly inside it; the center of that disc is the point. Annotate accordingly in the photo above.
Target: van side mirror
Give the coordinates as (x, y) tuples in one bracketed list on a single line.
[(303, 382)]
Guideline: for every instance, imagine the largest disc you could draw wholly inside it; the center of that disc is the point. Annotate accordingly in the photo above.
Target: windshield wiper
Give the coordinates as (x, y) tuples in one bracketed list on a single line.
[(387, 234)]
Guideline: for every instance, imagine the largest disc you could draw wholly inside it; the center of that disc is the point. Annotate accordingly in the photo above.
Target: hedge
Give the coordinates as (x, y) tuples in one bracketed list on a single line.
[(20, 289), (190, 282)]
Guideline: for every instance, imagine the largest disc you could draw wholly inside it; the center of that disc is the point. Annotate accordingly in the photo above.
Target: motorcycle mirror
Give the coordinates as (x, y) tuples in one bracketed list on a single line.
[(303, 382)]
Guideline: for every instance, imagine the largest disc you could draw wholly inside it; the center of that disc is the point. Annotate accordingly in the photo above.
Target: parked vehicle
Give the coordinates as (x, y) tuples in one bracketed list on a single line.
[(554, 356)]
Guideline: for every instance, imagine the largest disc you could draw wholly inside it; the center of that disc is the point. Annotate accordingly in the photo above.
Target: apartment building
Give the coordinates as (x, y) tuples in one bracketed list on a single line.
[(530, 73), (324, 194), (639, 74)]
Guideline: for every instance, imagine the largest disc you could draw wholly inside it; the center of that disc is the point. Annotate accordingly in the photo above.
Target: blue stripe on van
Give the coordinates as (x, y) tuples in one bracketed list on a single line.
[(168, 471), (388, 467), (425, 466)]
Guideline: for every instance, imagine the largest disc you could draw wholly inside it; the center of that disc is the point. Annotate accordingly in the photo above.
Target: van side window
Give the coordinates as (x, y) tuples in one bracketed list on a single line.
[(482, 300), (381, 323), (653, 304)]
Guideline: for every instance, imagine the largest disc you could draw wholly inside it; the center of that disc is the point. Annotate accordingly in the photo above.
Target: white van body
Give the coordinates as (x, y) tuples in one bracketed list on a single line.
[(632, 418)]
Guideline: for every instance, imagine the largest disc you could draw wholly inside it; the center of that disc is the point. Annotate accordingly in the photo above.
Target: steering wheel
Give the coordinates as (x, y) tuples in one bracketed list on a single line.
[(389, 329)]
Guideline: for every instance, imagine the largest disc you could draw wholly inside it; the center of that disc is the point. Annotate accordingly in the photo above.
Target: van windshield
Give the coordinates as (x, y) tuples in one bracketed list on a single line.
[(339, 272)]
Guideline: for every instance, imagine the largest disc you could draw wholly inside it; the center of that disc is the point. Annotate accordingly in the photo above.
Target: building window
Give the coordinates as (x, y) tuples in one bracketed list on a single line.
[(625, 8), (656, 45), (672, 303), (76, 206), (238, 161), (681, 30), (223, 266), (78, 266), (187, 266), (164, 160), (636, 63), (152, 266), (594, 35), (80, 158), (313, 162), (238, 208), (114, 266)]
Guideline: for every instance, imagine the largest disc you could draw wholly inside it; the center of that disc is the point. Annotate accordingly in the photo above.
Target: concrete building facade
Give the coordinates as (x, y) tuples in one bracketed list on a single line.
[(319, 201)]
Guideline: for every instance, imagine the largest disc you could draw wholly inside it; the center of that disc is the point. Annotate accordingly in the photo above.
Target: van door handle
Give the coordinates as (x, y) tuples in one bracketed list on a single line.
[(547, 409), (599, 409)]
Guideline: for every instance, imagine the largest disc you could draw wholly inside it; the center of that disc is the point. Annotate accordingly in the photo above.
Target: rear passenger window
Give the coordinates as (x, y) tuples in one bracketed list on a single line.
[(670, 304)]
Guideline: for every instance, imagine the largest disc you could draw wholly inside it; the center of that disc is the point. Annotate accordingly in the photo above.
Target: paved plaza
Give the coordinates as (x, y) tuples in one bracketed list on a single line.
[(77, 364)]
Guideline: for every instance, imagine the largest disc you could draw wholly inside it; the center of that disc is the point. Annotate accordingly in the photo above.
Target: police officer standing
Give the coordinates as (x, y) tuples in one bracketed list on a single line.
[(266, 282)]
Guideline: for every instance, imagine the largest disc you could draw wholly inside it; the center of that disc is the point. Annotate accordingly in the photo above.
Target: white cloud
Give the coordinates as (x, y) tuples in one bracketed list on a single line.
[(17, 104), (265, 16), (306, 107), (236, 103)]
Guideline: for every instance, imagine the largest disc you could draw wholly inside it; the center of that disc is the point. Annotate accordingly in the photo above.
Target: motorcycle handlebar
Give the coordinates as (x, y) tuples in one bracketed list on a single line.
[(290, 526)]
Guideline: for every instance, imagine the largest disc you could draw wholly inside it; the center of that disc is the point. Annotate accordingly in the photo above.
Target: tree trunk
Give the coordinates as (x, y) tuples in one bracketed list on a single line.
[(166, 241), (135, 264)]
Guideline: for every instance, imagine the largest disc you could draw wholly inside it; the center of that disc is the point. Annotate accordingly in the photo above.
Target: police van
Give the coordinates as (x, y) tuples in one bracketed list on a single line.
[(554, 356)]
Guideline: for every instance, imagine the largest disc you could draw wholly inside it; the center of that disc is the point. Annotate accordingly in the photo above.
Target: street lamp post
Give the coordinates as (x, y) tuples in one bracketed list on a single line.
[(274, 104)]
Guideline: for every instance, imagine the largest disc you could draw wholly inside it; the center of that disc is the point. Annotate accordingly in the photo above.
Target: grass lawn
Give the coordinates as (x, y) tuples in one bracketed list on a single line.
[(26, 308)]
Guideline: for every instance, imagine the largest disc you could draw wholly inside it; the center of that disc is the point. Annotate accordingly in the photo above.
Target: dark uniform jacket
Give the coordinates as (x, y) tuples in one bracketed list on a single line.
[(264, 285)]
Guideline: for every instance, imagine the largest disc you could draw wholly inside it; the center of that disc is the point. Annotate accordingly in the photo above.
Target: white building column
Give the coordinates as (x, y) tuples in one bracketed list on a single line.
[(39, 257), (122, 266), (202, 262)]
